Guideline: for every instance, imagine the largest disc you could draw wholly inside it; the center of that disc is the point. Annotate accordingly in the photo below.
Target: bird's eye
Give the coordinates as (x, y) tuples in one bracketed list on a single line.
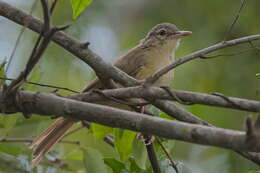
[(162, 32)]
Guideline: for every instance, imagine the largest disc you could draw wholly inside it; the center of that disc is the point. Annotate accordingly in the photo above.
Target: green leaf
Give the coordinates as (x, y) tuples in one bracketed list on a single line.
[(166, 116), (139, 153), (8, 122), (75, 155), (115, 165), (93, 161), (89, 141), (134, 168), (123, 142), (11, 148), (100, 131), (79, 6), (254, 172)]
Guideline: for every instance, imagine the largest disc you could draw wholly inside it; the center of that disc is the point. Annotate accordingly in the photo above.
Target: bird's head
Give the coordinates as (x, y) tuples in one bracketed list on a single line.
[(165, 36)]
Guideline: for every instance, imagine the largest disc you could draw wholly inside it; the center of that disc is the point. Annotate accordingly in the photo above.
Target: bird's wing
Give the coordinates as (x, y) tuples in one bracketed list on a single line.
[(131, 63)]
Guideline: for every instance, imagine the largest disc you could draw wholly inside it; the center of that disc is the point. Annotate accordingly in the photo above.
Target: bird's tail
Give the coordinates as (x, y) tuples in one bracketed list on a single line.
[(43, 143)]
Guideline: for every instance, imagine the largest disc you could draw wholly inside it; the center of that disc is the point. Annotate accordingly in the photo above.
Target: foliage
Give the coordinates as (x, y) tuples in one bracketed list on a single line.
[(79, 6)]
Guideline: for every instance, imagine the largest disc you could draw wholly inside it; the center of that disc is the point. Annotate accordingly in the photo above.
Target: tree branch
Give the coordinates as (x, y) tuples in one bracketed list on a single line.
[(50, 104), (154, 93), (180, 113), (43, 85), (29, 140)]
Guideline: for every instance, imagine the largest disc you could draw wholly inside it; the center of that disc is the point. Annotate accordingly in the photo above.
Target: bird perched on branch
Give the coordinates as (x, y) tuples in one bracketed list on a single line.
[(155, 51)]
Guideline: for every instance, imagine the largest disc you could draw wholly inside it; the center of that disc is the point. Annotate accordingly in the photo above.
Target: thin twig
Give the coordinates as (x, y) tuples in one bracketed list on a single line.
[(43, 85), (253, 46), (46, 16), (53, 6), (19, 38), (56, 162), (174, 96), (108, 139), (29, 140), (226, 99), (242, 4), (153, 158), (148, 142), (226, 54), (120, 101), (174, 165)]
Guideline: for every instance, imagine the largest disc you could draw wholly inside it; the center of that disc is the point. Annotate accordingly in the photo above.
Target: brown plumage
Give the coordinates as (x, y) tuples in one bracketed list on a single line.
[(152, 53)]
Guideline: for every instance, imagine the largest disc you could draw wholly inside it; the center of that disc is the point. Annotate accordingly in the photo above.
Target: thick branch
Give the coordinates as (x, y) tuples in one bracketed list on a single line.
[(153, 93), (50, 104), (178, 112)]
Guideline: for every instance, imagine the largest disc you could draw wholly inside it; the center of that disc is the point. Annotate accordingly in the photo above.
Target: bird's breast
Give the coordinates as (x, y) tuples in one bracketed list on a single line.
[(155, 60)]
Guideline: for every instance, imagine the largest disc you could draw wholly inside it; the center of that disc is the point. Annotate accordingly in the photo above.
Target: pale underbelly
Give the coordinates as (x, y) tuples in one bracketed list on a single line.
[(165, 80)]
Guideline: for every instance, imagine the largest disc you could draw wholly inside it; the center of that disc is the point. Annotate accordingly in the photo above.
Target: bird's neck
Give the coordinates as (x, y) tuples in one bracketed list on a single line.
[(158, 58)]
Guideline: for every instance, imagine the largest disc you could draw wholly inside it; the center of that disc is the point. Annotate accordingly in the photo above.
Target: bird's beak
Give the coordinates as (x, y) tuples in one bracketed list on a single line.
[(180, 34)]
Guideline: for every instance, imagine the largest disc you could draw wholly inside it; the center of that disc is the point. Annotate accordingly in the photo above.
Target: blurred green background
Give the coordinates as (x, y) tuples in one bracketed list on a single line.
[(113, 27)]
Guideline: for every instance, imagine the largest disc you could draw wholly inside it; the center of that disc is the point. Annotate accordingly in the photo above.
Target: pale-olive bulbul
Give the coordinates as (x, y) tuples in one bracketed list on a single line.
[(155, 51)]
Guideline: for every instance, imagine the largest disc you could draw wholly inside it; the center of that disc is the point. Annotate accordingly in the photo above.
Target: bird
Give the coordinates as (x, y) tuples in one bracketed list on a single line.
[(153, 52)]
